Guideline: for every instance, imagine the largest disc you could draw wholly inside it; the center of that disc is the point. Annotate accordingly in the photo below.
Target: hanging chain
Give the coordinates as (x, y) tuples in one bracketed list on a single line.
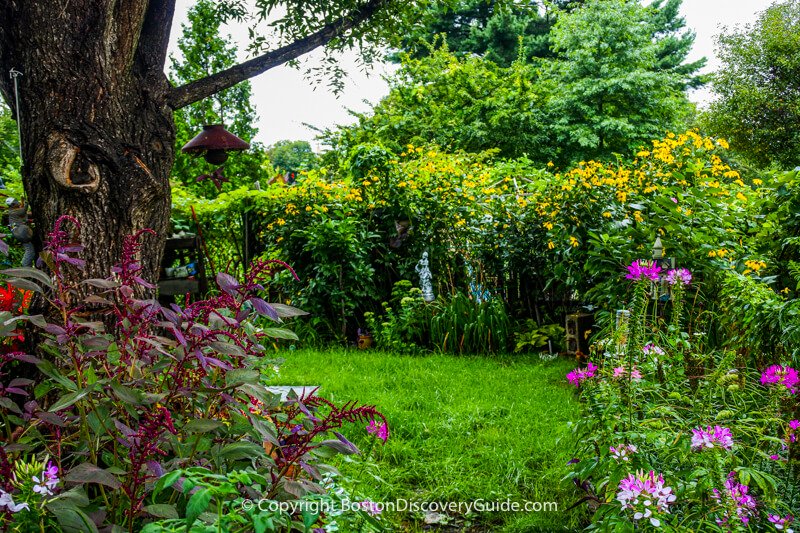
[(14, 74)]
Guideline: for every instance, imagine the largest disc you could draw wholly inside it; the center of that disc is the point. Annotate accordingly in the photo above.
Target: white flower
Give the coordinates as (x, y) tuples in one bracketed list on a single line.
[(8, 502)]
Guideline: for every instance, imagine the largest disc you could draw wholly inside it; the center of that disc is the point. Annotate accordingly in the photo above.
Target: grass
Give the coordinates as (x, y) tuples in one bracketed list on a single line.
[(462, 429)]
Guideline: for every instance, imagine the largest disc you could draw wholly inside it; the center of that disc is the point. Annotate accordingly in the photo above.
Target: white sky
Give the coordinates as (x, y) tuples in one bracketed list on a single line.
[(284, 100)]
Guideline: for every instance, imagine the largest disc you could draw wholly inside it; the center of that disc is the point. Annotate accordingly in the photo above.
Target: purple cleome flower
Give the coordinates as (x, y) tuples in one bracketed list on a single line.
[(579, 375), (711, 438), (743, 503), (784, 375), (781, 524), (680, 276), (45, 483), (646, 496), (639, 270)]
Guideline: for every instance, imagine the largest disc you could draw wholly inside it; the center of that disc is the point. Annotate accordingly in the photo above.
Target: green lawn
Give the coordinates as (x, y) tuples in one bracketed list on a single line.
[(462, 429)]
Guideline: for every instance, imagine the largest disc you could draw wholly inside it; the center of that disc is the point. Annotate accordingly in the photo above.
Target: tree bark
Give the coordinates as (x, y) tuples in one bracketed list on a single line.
[(97, 134)]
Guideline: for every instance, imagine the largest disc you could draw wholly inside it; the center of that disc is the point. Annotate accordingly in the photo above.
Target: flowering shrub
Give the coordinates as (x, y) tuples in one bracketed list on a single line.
[(723, 433), (155, 416)]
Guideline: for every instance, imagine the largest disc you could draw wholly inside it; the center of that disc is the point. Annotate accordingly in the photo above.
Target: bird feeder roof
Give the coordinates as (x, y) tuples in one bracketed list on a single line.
[(214, 137)]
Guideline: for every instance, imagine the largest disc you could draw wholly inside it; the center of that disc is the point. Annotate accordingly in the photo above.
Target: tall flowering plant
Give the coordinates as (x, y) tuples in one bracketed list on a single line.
[(137, 396)]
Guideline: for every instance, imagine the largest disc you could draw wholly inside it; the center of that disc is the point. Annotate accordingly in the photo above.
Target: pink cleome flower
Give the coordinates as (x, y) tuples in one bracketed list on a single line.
[(646, 496), (737, 494), (783, 375), (651, 348), (579, 375), (680, 276), (623, 452), (639, 270), (712, 437), (621, 371)]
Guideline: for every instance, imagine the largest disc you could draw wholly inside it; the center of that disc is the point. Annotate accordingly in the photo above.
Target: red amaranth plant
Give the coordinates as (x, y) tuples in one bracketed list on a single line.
[(138, 391)]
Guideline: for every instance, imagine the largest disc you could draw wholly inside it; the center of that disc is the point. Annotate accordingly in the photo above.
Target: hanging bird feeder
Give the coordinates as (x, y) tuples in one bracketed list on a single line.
[(214, 143)]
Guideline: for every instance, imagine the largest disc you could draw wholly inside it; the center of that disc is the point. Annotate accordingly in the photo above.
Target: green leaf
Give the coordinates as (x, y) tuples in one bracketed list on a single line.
[(241, 450), (202, 425), (89, 473), (285, 311), (167, 480), (127, 394), (24, 284), (69, 399), (240, 376), (280, 333), (161, 510), (29, 273), (197, 505)]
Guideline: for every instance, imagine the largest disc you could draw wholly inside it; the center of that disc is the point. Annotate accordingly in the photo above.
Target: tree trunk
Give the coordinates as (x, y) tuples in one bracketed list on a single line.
[(97, 134)]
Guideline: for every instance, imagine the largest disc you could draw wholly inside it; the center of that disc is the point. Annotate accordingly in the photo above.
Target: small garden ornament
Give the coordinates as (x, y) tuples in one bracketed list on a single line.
[(425, 278), (18, 223)]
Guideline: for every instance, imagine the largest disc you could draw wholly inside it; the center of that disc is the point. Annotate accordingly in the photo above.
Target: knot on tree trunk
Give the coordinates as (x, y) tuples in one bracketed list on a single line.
[(70, 168)]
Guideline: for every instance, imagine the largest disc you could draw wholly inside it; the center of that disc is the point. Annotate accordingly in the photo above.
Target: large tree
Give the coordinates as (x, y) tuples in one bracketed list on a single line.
[(96, 108), (621, 74), (758, 87)]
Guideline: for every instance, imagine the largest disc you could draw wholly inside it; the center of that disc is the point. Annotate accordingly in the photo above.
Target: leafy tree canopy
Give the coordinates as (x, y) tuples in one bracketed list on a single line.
[(293, 156), (611, 87), (621, 76), (758, 88)]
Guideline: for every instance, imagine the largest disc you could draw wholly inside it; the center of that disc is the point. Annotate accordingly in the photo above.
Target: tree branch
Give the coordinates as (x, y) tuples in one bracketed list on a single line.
[(154, 39), (205, 87)]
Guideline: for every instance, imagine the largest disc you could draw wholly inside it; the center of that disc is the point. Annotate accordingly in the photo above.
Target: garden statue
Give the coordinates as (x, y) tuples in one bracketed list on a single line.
[(425, 278), (18, 223)]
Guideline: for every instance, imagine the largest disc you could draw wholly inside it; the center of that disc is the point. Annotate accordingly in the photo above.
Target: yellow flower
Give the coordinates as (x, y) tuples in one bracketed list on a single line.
[(741, 196), (573, 241), (757, 182), (548, 225), (308, 208), (550, 245), (638, 216), (607, 214), (723, 143)]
